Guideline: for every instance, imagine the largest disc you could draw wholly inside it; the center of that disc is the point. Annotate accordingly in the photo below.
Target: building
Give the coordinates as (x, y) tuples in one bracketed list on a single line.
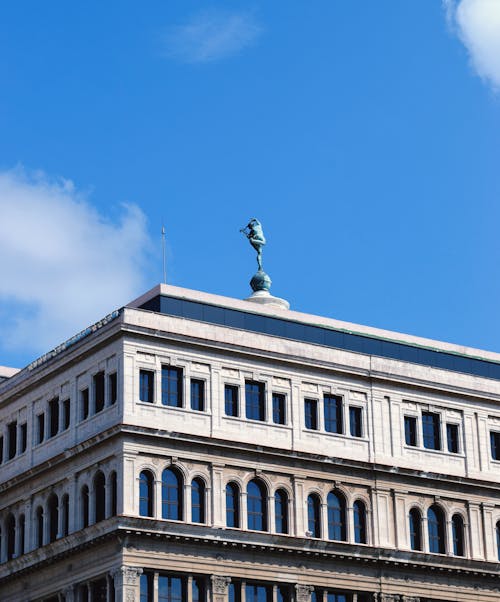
[(193, 448)]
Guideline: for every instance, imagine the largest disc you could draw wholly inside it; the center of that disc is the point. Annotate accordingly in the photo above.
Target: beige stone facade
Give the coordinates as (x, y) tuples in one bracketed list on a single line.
[(331, 451)]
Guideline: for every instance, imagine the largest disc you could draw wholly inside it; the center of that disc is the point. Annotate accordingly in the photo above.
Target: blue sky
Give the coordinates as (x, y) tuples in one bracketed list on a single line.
[(364, 135)]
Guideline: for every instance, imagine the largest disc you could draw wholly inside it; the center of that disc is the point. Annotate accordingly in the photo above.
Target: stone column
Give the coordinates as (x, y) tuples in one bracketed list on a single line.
[(303, 592), (127, 583), (219, 588), (271, 514)]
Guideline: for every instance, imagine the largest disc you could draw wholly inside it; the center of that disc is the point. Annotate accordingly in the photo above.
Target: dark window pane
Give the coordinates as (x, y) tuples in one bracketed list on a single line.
[(431, 430), (146, 493), (257, 593), (231, 400), (333, 413), (452, 438), (314, 516), (355, 421), (415, 529), (53, 417), (65, 414), (53, 509), (1, 449), (255, 400), (495, 445), (146, 587), (84, 400), (197, 501), (457, 525), (311, 414), (112, 388), (24, 437), (99, 497), (234, 592), (40, 427), (336, 516), (279, 400), (435, 525), (198, 395), (12, 440), (170, 589), (39, 527), (359, 522), (232, 505), (281, 511), (411, 430), (84, 499), (171, 495), (171, 386), (498, 539), (98, 382), (256, 506), (146, 385)]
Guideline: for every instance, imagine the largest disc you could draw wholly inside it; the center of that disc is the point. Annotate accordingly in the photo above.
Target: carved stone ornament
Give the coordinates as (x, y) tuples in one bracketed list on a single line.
[(131, 596), (390, 598), (219, 584), (129, 574), (303, 592), (410, 599)]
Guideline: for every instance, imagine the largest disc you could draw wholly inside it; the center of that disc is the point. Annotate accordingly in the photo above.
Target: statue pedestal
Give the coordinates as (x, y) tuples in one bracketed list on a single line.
[(265, 298)]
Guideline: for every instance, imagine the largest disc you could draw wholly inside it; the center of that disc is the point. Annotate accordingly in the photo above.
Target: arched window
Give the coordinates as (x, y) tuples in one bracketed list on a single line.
[(314, 515), (84, 505), (99, 497), (10, 527), (336, 516), (53, 508), (359, 512), (64, 515), (22, 534), (435, 525), (457, 528), (256, 506), (114, 493), (39, 526), (498, 539), (415, 521), (146, 493), (171, 494), (281, 511), (197, 501), (232, 505)]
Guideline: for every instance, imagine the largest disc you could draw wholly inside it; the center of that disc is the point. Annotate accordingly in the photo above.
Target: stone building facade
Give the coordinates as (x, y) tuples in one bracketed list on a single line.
[(191, 448)]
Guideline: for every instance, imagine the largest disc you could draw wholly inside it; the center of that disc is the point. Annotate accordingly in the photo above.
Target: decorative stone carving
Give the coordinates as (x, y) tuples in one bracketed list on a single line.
[(128, 574), (390, 598), (410, 599), (303, 592), (219, 584)]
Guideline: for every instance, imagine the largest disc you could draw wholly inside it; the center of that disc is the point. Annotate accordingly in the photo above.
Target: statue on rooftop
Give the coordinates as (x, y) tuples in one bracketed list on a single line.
[(253, 231)]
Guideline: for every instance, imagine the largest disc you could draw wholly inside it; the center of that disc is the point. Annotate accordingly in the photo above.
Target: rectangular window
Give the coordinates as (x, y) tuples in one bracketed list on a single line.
[(279, 401), (356, 421), (84, 403), (65, 406), (495, 445), (146, 587), (112, 388), (12, 440), (170, 589), (333, 413), (231, 400), (171, 386), (452, 438), (431, 430), (146, 385), (53, 417), (1, 450), (40, 423), (198, 395), (411, 431), (311, 414), (257, 593), (255, 400), (98, 382), (234, 591), (23, 432)]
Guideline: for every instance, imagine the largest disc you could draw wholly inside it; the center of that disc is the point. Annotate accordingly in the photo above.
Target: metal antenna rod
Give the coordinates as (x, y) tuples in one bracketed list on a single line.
[(164, 253)]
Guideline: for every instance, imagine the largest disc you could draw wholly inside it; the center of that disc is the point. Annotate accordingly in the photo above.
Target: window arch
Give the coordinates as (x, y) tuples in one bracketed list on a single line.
[(435, 526), (232, 505), (113, 493), (84, 501), (281, 511), (359, 512), (314, 515), (171, 494), (335, 503), (256, 506), (10, 528), (53, 510), (457, 529), (22, 534), (64, 515), (99, 496), (39, 526), (197, 500), (415, 522), (146, 493), (498, 539)]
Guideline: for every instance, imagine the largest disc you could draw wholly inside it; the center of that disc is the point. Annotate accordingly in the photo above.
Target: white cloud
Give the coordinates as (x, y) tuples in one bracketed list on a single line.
[(477, 23), (62, 264), (210, 35)]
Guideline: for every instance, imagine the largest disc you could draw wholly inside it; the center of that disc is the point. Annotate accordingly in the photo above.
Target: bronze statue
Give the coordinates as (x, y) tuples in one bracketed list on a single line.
[(253, 231)]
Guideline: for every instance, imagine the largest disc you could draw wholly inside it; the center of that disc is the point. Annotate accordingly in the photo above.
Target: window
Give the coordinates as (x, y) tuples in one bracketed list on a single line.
[(84, 403), (281, 511), (171, 494), (336, 597), (257, 593), (313, 515), (431, 430), (359, 522), (98, 387), (10, 525), (415, 521), (231, 400), (311, 414), (112, 388), (113, 493), (198, 590), (457, 528), (197, 501), (279, 400), (53, 508), (12, 440), (255, 400), (498, 539), (23, 430), (435, 525), (283, 594), (146, 587), (22, 534), (1, 450), (232, 505), (84, 505), (495, 445), (411, 431), (40, 420), (53, 417), (234, 592), (146, 386), (356, 421), (64, 515), (256, 506), (171, 386), (333, 413), (146, 493), (170, 589), (65, 414), (99, 497), (336, 510), (39, 526), (198, 395), (452, 438)]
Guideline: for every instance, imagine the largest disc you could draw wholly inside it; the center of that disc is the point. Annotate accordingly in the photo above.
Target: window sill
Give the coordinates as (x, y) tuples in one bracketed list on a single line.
[(438, 452)]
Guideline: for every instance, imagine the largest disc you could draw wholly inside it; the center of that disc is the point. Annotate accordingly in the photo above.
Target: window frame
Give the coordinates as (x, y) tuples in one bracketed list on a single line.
[(201, 384), (255, 401), (450, 426), (279, 412), (147, 385), (311, 413), (169, 393), (435, 438), (333, 414), (235, 403), (359, 410)]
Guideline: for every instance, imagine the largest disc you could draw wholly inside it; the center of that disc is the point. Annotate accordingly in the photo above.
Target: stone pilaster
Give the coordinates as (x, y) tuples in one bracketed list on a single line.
[(303, 592), (219, 588), (127, 583)]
